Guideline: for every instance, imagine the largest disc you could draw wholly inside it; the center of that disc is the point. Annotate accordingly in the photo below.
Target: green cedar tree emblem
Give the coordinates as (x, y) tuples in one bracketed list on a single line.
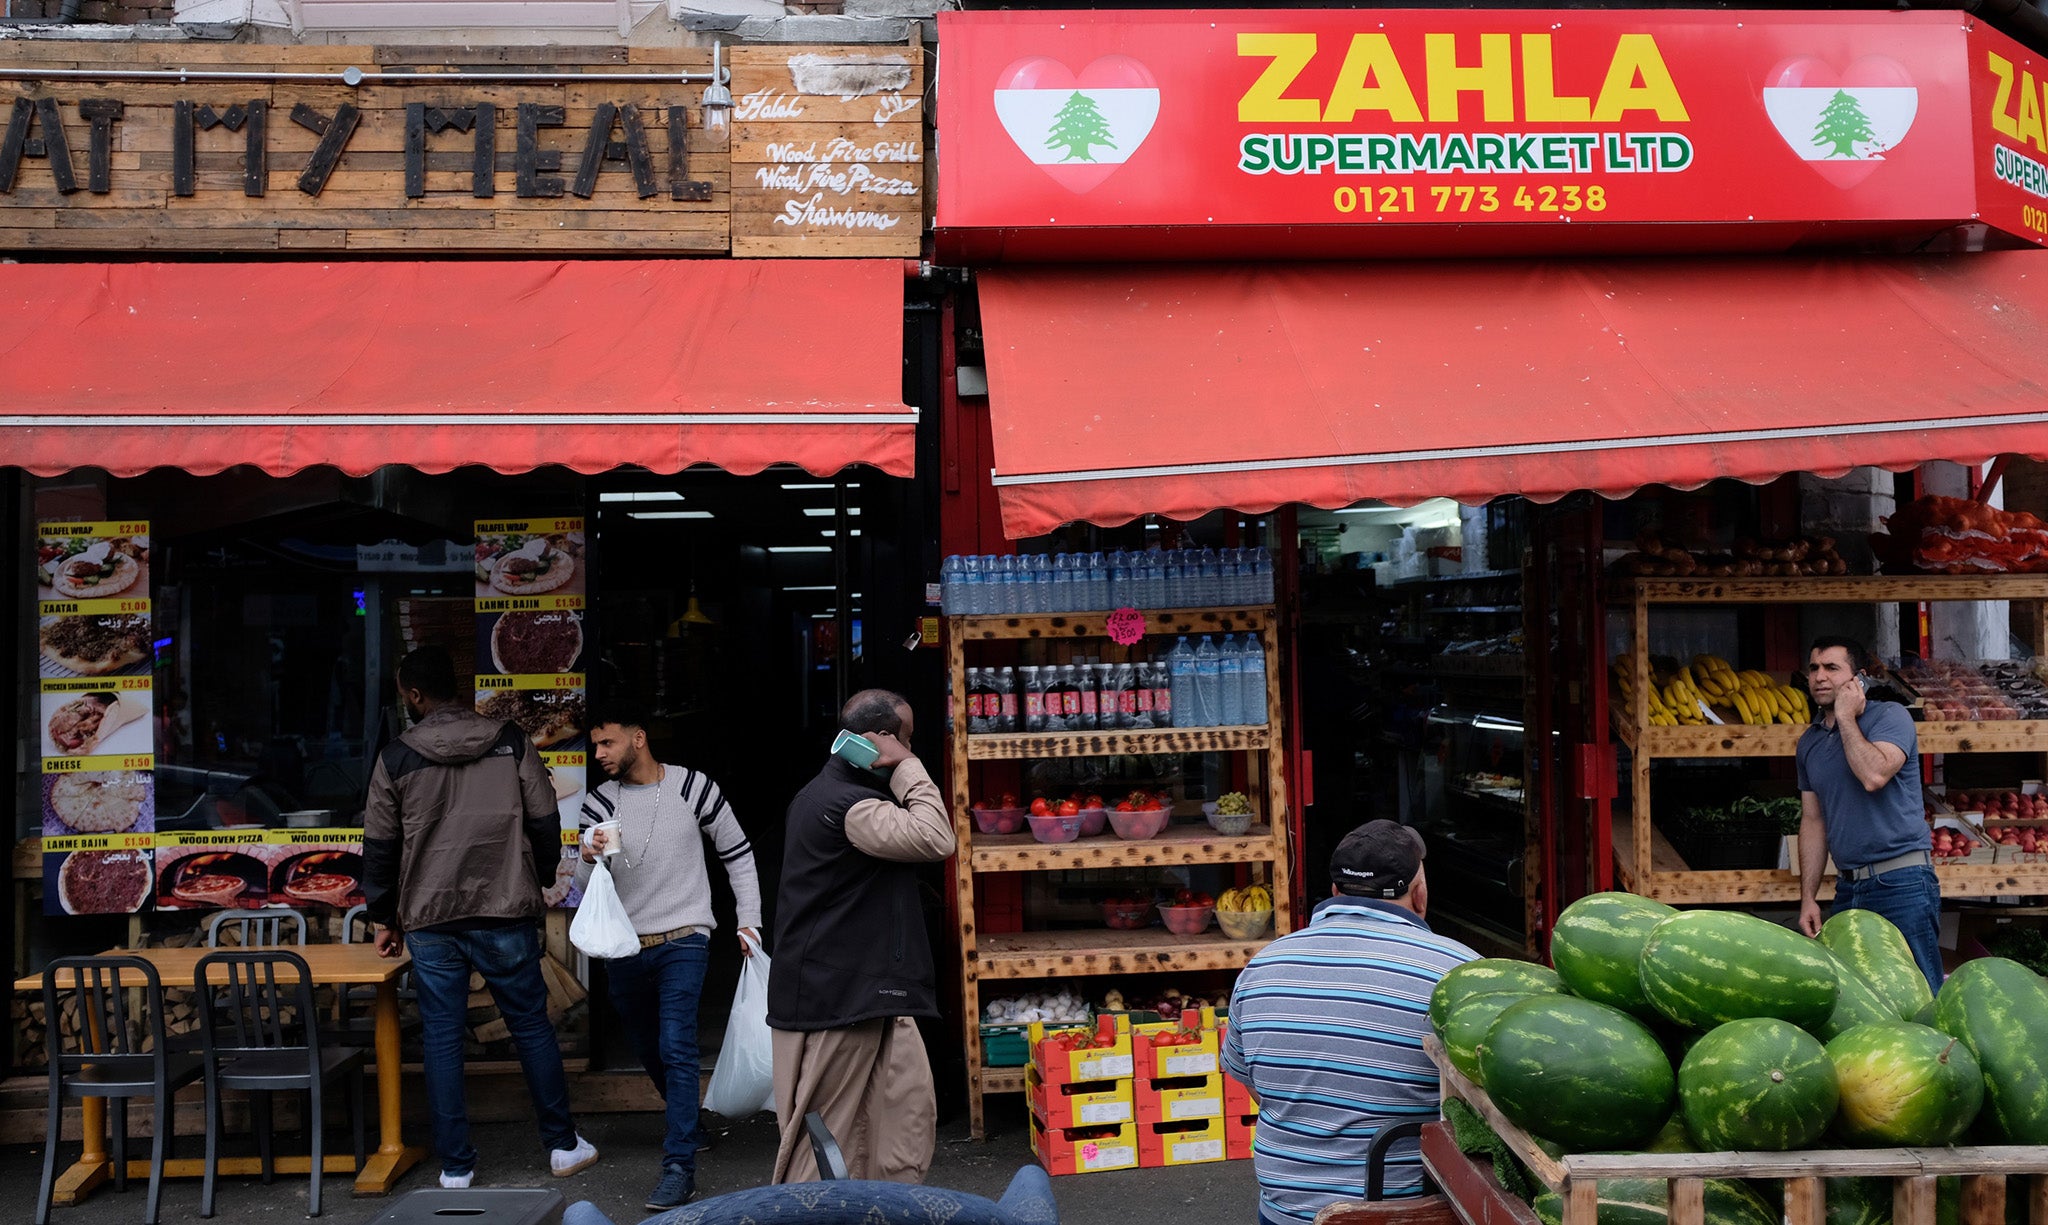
[(1842, 125), (1078, 127)]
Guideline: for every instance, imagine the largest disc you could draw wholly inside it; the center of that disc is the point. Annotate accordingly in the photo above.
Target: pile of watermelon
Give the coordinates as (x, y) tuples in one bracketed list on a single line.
[(1706, 1030)]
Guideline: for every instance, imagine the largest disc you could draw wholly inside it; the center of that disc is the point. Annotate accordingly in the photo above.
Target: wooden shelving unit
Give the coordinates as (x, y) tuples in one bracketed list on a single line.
[(1646, 862), (1010, 956)]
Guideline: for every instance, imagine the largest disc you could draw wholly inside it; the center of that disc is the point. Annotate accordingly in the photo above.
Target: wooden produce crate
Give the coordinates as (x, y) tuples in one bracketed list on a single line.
[(1989, 1172)]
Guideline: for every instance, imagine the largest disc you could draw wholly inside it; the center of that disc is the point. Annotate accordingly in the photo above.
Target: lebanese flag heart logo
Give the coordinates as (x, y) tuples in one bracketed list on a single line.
[(1078, 130), (1841, 124)]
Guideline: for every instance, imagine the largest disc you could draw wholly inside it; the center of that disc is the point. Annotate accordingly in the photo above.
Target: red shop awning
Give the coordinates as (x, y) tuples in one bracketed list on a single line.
[(510, 364), (1181, 389)]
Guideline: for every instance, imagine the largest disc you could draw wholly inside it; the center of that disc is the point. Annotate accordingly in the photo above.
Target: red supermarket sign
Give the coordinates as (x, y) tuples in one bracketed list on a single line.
[(1408, 132)]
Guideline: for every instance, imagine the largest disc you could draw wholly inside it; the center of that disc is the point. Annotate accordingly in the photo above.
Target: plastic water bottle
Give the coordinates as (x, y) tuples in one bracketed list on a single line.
[(1004, 600), (1006, 720), (1098, 583), (1180, 665), (949, 585), (1062, 583), (1231, 668), (1041, 577), (1262, 575), (1252, 661), (1159, 682), (1173, 592), (1209, 590), (1122, 590), (1208, 683)]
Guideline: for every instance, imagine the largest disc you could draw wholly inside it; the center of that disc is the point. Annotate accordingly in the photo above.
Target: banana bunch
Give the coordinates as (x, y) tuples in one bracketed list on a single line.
[(1671, 697), (1677, 697), (1752, 695), (1247, 900)]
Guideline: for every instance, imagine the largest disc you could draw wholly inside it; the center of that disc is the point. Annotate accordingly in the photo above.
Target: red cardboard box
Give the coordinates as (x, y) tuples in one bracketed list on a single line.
[(1081, 1103), (1179, 1098), (1153, 1060), (1239, 1130), (1084, 1150), (1188, 1143), (1237, 1098)]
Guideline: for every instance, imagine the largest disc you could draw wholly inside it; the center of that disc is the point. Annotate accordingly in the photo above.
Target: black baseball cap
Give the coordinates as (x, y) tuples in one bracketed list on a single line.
[(1378, 859)]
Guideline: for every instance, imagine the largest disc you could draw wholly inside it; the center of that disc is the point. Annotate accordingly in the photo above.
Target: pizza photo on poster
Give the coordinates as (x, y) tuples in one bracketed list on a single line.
[(92, 567), (99, 802), (525, 642), (317, 874), (75, 646), (211, 878), (526, 562), (96, 723), (96, 882)]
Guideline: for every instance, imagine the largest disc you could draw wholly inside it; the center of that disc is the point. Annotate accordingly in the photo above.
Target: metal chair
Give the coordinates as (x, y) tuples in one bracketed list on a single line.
[(261, 1035), (825, 1148), (112, 1060), (256, 927)]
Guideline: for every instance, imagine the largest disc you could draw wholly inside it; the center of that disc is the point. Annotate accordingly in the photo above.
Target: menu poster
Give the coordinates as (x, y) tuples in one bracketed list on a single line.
[(569, 773), (532, 580), (96, 739)]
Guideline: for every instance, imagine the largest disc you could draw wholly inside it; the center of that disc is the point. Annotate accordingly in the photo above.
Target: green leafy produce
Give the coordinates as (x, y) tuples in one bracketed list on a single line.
[(2026, 945), (1233, 803)]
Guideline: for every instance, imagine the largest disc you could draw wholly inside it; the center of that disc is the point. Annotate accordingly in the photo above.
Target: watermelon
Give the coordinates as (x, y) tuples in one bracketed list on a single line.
[(1578, 1072), (1868, 1201), (1999, 1009), (1904, 1084), (1598, 944), (1674, 1138), (1467, 1028), (1869, 944), (1704, 968), (1856, 1001), (1646, 1201), (1757, 1085), (1487, 976)]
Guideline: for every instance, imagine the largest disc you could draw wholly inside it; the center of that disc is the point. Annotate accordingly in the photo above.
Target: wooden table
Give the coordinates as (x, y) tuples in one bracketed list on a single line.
[(331, 965)]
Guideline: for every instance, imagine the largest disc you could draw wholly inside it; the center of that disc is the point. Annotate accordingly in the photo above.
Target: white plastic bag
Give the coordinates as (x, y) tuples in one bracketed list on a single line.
[(601, 927), (743, 1082)]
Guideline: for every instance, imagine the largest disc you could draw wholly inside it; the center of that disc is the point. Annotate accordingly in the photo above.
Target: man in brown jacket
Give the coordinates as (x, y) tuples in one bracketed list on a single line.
[(459, 838)]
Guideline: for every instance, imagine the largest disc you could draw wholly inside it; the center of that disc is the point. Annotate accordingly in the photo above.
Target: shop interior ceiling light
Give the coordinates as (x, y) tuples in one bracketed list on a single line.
[(818, 512), (648, 495), (799, 548), (668, 514)]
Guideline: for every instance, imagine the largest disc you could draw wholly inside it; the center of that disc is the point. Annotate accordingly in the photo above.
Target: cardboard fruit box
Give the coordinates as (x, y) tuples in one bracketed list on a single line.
[(1239, 1131), (1057, 1067), (1155, 1058), (1188, 1143), (1237, 1098), (1084, 1150), (1081, 1103), (1177, 1098)]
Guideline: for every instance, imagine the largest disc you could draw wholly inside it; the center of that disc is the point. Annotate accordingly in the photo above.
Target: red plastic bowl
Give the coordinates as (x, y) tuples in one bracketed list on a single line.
[(1056, 829), (1138, 826), (1186, 920), (1094, 821), (998, 820), (1127, 916)]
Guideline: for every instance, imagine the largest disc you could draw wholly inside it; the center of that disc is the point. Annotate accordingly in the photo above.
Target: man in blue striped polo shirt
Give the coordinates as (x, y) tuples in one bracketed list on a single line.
[(1326, 1028)]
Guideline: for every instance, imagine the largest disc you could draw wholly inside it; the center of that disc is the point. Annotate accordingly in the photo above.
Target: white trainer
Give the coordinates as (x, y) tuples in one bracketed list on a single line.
[(457, 1182), (567, 1161)]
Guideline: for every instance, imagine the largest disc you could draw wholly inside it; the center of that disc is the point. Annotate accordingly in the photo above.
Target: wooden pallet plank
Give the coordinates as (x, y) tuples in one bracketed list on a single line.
[(1176, 845), (1106, 744), (1062, 954), (1847, 589)]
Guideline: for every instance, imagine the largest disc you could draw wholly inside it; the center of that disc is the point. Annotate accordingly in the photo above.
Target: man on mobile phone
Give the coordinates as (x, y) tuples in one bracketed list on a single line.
[(853, 965), (1859, 792), (660, 817)]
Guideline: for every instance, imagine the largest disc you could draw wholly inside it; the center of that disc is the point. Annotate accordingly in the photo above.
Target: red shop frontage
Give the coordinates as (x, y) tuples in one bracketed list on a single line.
[(1536, 349)]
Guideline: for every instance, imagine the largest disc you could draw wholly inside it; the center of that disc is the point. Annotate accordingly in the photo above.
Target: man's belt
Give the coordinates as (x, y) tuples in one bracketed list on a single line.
[(1913, 859), (680, 933)]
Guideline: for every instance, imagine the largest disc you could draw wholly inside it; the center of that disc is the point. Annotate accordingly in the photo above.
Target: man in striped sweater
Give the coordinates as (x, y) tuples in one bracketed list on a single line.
[(664, 816), (1326, 1028)]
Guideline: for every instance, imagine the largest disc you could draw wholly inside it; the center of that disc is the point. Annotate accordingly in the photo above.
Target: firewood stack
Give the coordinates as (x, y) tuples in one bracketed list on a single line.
[(487, 1025)]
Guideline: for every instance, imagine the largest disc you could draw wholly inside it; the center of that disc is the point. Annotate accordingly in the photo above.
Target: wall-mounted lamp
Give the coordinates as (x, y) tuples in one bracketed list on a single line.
[(717, 98)]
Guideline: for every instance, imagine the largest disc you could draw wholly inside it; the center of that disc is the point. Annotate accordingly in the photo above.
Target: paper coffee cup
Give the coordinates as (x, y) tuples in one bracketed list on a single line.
[(611, 833)]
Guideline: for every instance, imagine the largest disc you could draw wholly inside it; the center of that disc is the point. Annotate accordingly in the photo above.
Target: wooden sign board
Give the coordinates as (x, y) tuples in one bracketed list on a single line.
[(286, 155), (828, 151)]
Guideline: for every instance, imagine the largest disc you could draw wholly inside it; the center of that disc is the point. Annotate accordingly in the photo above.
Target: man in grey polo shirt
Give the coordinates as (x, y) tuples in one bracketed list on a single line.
[(1859, 791)]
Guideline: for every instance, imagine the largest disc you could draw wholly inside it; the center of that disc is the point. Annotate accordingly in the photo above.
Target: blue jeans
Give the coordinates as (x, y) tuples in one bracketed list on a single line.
[(509, 960), (656, 993), (1911, 899), (583, 1212)]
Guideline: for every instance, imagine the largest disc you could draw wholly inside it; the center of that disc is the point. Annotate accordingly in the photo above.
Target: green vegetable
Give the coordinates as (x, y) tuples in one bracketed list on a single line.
[(1233, 803)]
